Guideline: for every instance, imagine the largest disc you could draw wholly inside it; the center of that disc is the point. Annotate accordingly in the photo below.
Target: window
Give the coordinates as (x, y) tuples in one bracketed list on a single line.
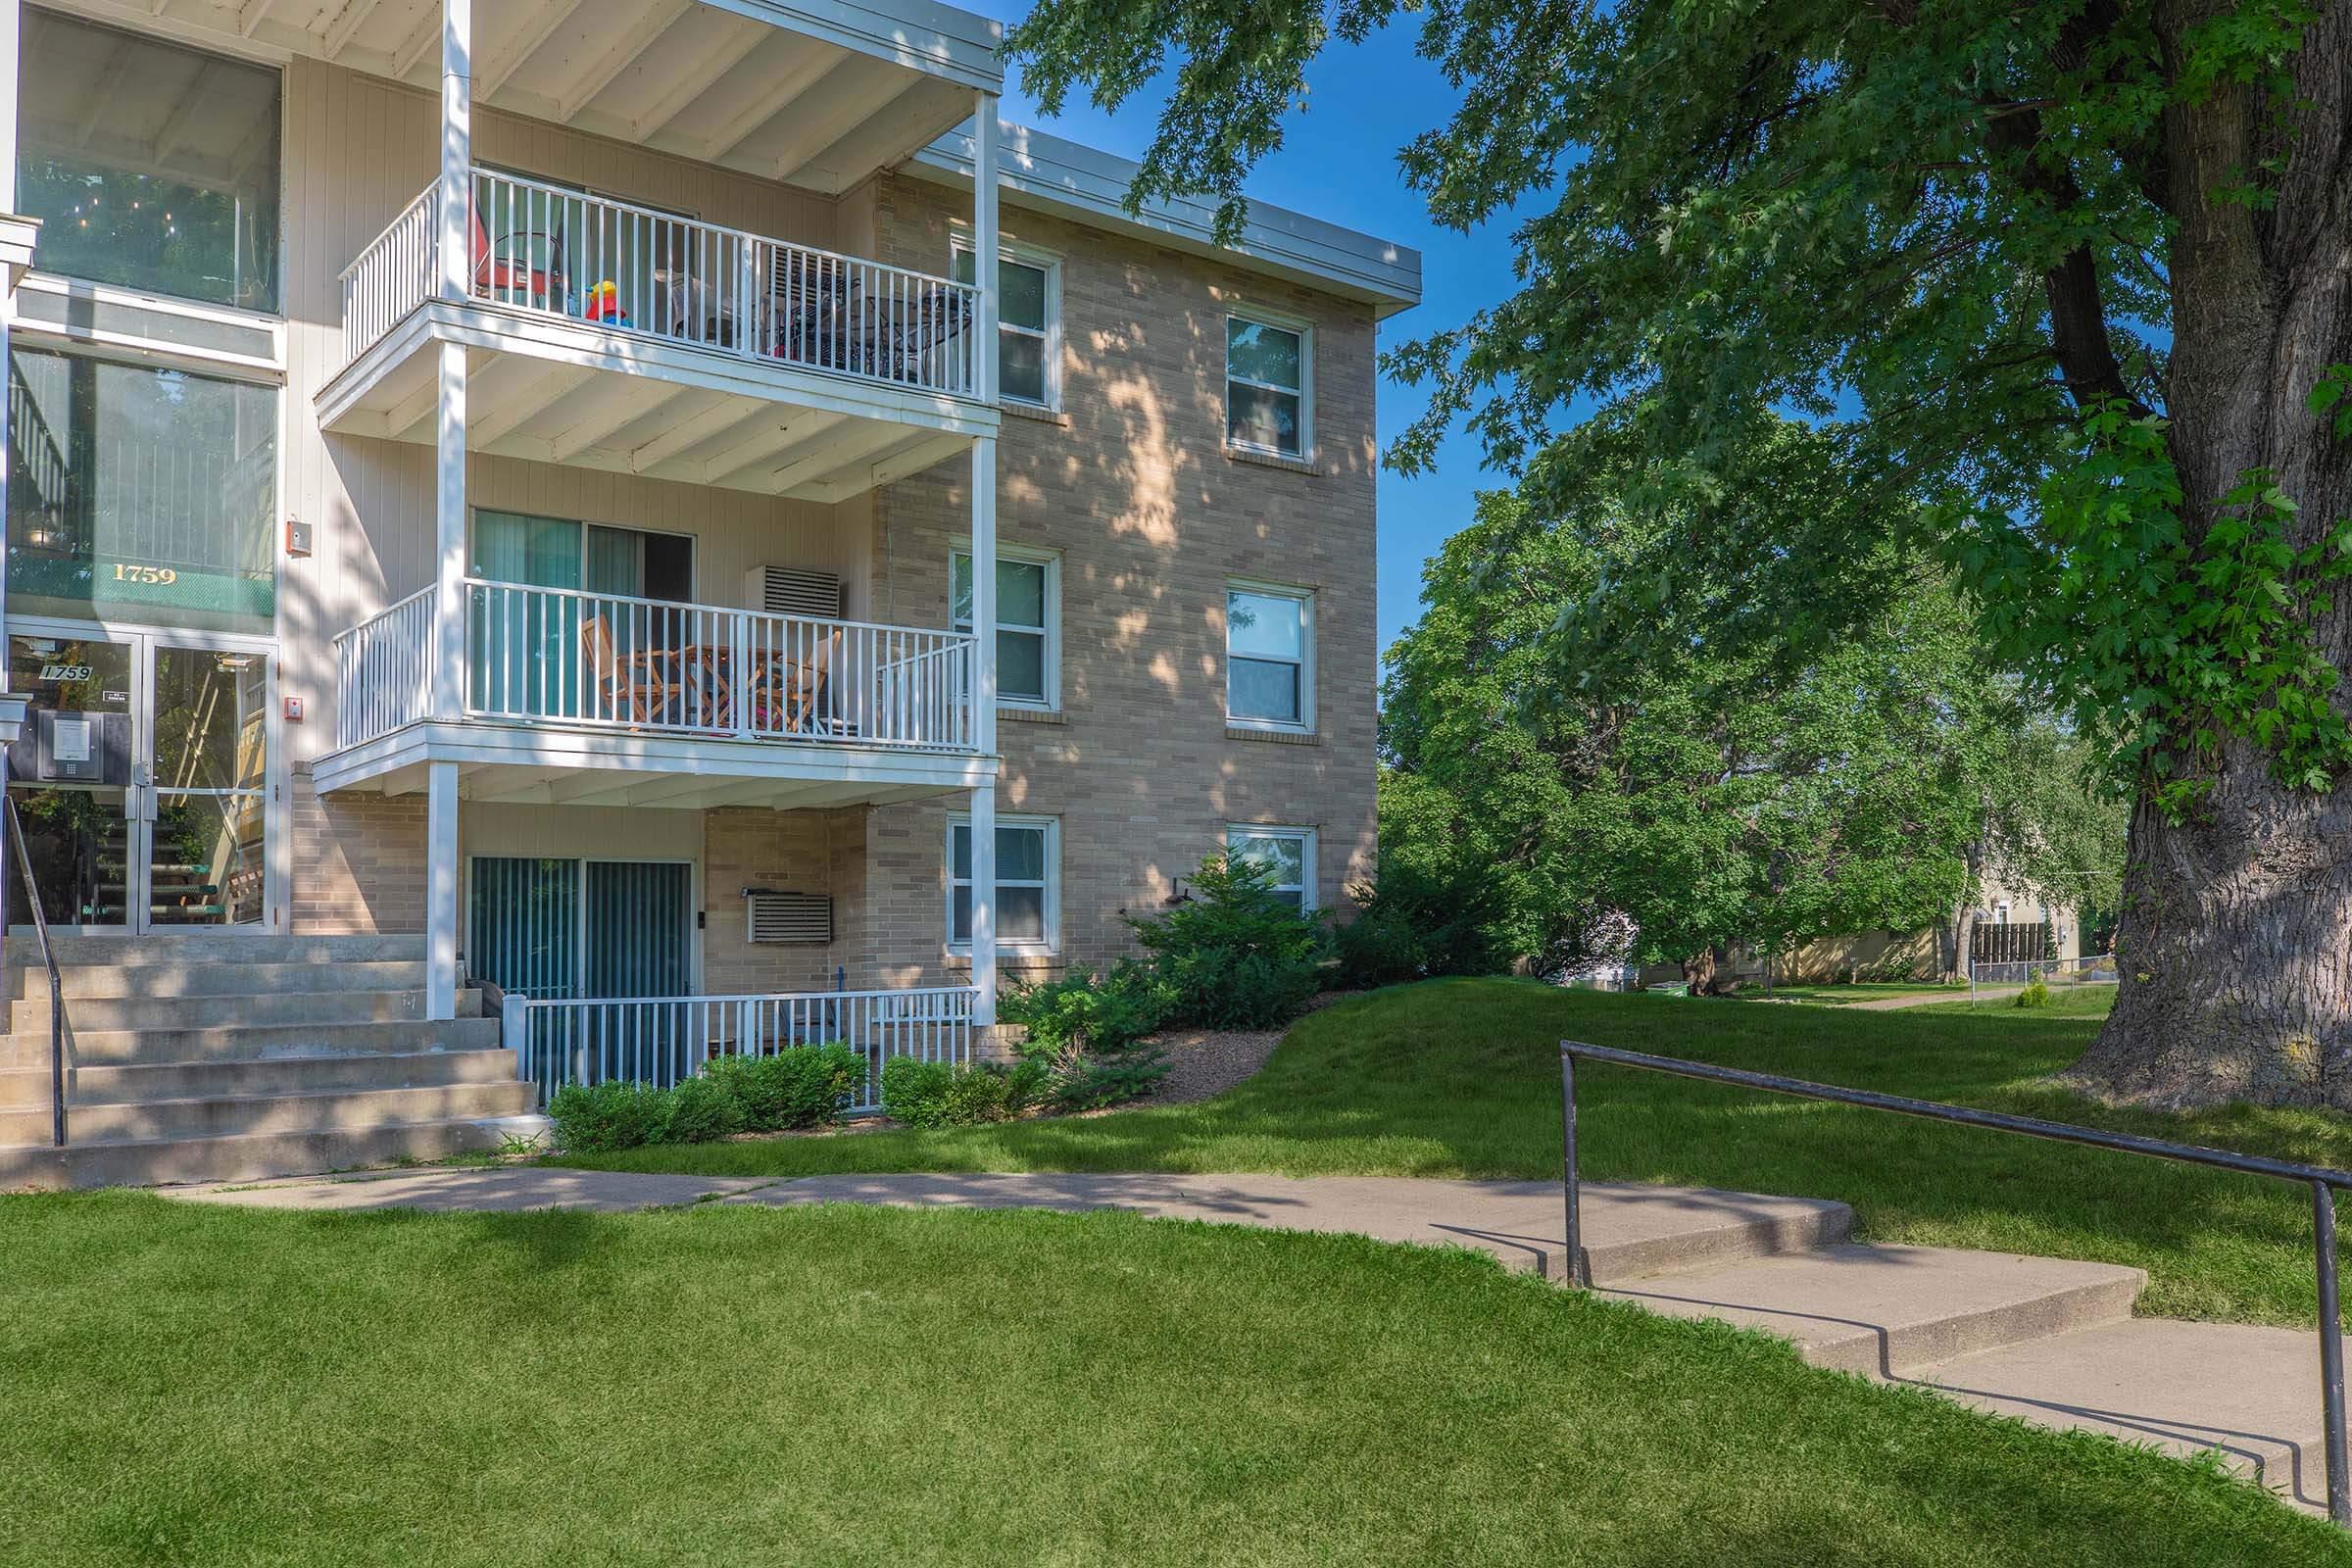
[(1270, 657), (151, 166), (139, 493), (1267, 387), (1028, 617), (549, 654), (1027, 293), (1287, 853), (557, 553), (1028, 882)]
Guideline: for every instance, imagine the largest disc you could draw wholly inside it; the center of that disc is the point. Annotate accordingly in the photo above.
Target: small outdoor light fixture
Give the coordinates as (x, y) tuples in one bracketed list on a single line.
[(298, 538), (1181, 893)]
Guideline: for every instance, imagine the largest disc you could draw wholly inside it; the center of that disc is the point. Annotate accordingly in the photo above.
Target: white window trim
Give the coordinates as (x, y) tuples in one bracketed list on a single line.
[(1307, 851), (1053, 884), (1306, 664), (1050, 560), (1049, 263), (1306, 389)]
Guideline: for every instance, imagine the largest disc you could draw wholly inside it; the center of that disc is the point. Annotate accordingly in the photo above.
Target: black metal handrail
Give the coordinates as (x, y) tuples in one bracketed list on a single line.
[(2322, 1181), (57, 991)]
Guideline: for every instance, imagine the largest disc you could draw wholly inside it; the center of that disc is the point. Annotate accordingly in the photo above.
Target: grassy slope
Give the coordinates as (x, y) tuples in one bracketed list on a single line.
[(201, 1387), (1839, 996), (1460, 1078)]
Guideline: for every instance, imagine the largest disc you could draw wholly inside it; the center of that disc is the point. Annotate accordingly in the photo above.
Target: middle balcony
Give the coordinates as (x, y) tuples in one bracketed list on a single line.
[(615, 336), (573, 698)]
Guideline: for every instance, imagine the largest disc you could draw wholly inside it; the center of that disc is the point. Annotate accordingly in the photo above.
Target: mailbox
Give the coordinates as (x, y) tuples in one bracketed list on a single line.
[(72, 748)]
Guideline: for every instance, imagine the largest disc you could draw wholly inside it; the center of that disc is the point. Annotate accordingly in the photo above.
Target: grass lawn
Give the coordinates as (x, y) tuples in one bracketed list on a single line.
[(1461, 1078), (196, 1387), (1839, 996)]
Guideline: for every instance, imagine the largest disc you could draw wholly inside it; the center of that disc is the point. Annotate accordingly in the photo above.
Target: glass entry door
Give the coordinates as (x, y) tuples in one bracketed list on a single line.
[(142, 776)]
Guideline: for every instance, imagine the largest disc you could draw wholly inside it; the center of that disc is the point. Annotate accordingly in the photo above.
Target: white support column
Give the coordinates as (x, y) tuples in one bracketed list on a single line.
[(453, 254), (441, 889), (985, 245)]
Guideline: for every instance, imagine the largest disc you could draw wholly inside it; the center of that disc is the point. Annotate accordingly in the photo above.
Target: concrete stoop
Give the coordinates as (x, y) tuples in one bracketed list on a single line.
[(228, 1057)]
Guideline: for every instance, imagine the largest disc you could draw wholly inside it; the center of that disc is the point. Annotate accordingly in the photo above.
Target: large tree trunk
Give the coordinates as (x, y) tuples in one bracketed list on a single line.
[(2235, 937)]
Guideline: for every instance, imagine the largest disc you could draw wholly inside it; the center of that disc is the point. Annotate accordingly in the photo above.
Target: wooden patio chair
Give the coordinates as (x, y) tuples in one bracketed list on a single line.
[(792, 692), (643, 695)]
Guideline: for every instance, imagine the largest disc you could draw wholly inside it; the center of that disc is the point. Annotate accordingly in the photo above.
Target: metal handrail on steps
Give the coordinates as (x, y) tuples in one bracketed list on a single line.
[(57, 989), (2323, 1180)]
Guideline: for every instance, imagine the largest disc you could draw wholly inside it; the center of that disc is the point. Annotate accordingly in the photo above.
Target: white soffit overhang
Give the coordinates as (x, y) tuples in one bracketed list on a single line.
[(1052, 175)]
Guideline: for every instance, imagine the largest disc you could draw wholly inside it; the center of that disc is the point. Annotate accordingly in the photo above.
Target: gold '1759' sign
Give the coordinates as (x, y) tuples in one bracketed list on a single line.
[(147, 576)]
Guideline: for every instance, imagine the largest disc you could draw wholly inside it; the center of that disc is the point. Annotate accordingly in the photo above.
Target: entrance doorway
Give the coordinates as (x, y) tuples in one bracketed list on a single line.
[(142, 774)]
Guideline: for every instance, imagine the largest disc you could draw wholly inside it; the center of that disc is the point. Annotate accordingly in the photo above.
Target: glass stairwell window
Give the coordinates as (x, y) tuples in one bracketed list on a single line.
[(151, 166)]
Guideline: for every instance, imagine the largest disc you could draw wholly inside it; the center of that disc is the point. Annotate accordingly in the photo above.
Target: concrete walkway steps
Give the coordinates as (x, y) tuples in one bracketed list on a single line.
[(223, 1057), (2045, 1339)]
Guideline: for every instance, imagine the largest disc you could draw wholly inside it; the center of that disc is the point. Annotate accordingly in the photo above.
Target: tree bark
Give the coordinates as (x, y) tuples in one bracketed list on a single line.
[(2235, 935)]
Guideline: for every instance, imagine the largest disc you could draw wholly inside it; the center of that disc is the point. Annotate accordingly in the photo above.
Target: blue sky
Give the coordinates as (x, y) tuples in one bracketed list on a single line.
[(1339, 163)]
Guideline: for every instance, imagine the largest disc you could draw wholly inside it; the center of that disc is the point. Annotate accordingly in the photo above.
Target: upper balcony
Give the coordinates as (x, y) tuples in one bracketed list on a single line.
[(620, 337)]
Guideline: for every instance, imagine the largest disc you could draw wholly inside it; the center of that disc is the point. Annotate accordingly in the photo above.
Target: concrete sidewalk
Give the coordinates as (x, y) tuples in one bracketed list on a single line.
[(2049, 1341)]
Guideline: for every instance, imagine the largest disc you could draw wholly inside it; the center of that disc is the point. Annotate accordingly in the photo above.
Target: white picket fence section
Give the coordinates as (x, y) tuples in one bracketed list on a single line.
[(662, 1040), (547, 251), (612, 661)]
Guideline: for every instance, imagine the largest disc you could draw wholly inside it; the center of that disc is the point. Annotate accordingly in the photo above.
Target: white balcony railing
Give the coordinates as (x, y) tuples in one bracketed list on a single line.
[(551, 656), (662, 1040), (561, 254)]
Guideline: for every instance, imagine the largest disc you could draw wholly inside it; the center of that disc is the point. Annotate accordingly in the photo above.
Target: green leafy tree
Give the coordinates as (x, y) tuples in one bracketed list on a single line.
[(2063, 277), (1713, 797)]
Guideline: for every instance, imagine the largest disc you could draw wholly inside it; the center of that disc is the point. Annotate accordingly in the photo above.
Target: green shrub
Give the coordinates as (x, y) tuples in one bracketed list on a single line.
[(1235, 956), (595, 1119), (701, 1111), (2035, 995), (939, 1094), (799, 1086), (1079, 1013), (1417, 923), (1091, 1083)]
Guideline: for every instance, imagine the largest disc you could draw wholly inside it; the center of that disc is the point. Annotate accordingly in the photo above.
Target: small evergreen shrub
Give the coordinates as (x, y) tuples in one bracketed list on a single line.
[(595, 1119), (939, 1094), (703, 1110), (1079, 1013), (1415, 924), (1236, 955), (1091, 1083), (2035, 995), (799, 1086)]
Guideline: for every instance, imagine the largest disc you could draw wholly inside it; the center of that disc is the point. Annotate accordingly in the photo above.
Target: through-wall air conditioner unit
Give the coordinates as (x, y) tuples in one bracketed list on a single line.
[(791, 591), (788, 918)]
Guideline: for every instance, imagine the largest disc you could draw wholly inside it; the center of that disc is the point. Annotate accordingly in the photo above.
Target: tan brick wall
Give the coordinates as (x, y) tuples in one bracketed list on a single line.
[(799, 852), (1150, 515), (357, 861)]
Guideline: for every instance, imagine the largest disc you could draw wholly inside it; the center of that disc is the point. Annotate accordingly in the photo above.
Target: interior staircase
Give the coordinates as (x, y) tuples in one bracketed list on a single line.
[(225, 1056)]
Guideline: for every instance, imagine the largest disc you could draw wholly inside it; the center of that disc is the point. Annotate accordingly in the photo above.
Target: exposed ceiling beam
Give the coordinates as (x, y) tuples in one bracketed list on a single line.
[(102, 97), (251, 16), (783, 88), (610, 408), (914, 458), (821, 459), (701, 78), (355, 16), (491, 76), (756, 451), (627, 45), (865, 86), (529, 398), (891, 132), (708, 423), (426, 39)]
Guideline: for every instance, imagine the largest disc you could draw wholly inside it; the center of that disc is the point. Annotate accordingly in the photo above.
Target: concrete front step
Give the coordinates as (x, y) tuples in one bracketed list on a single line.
[(246, 1077), (99, 1014), (1889, 1309), (319, 1110), (208, 947), (2250, 1395), (216, 978), (244, 1159), (237, 1043)]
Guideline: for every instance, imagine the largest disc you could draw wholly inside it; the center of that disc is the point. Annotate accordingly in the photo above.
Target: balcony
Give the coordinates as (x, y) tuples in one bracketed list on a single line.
[(617, 337), (597, 699)]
